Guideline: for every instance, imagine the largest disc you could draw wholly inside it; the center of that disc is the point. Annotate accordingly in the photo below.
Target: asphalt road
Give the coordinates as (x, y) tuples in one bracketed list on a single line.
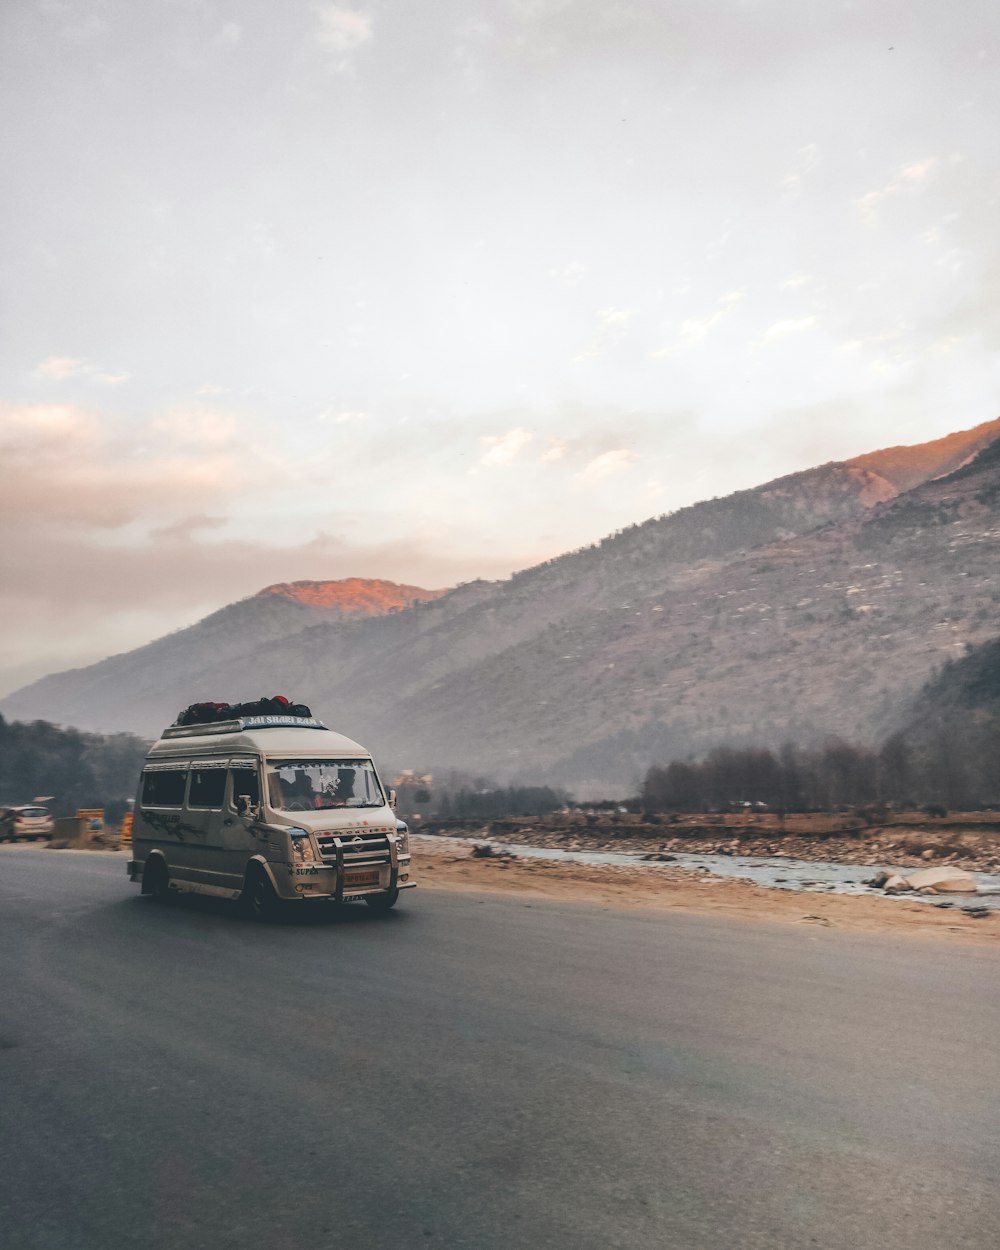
[(480, 1071)]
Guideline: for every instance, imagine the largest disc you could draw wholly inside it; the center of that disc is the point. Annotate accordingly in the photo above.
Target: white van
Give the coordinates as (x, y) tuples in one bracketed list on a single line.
[(266, 809)]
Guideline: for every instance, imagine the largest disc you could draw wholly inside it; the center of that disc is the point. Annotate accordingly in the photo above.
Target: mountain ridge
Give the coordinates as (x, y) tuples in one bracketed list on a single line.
[(352, 596), (797, 608)]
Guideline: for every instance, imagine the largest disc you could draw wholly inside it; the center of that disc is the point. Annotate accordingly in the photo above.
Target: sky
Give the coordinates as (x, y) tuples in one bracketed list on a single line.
[(434, 291)]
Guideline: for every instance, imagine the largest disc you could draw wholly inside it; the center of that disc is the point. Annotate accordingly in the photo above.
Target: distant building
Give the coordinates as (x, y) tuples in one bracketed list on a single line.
[(419, 781)]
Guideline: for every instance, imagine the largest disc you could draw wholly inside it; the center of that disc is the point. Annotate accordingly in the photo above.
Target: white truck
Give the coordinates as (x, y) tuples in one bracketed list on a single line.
[(267, 810)]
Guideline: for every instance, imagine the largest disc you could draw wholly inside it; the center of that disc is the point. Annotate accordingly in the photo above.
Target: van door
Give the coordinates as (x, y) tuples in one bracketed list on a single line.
[(205, 798), (160, 819), (239, 841)]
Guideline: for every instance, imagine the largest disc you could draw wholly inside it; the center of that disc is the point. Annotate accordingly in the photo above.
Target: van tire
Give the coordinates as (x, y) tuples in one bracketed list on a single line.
[(258, 900), (382, 902), (156, 880)]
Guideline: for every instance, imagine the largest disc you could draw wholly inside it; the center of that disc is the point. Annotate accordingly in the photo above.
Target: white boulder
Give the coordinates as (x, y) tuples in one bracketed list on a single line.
[(943, 880)]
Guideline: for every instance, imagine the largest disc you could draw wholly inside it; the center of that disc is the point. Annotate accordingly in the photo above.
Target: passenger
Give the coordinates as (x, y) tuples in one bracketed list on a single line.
[(344, 789)]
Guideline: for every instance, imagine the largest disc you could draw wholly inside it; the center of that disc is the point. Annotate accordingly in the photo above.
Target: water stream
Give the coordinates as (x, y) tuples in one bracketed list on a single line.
[(774, 872)]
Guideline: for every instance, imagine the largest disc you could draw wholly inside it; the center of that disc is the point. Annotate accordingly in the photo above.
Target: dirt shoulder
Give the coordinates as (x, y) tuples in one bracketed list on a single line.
[(442, 864)]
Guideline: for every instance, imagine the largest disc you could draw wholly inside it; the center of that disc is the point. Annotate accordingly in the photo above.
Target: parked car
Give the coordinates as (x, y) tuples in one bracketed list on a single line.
[(29, 822)]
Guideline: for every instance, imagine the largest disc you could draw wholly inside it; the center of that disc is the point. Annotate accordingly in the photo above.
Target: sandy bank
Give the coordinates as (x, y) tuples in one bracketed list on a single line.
[(441, 864)]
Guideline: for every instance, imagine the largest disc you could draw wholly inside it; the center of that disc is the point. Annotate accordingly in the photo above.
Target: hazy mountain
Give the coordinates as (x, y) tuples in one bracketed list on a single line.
[(139, 688), (818, 603)]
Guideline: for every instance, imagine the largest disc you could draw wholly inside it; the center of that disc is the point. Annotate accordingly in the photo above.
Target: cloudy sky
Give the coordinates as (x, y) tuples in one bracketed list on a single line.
[(431, 291)]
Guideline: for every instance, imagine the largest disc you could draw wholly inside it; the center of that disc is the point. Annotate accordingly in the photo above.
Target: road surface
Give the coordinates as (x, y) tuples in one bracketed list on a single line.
[(481, 1071)]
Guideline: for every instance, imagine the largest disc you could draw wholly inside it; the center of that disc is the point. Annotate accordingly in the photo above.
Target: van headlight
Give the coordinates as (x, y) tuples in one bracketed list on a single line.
[(402, 842), (302, 852)]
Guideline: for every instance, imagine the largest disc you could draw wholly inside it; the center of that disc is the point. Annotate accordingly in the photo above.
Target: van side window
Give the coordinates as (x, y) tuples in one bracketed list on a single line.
[(208, 787), (163, 789), (245, 782)]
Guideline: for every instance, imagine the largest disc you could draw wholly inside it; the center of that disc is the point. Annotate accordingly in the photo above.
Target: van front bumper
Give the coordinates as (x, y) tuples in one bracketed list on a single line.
[(325, 882)]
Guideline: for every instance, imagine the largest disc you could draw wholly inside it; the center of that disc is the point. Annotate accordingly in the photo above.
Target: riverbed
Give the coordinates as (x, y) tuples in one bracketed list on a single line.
[(772, 872)]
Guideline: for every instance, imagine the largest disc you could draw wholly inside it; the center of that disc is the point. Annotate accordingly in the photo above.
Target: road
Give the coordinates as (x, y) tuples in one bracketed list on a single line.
[(481, 1071)]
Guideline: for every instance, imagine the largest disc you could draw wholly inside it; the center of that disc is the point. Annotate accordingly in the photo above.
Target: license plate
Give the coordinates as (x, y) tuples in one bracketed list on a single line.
[(361, 878)]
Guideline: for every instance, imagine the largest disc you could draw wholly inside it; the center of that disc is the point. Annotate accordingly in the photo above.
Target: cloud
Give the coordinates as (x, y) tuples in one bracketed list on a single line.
[(556, 450), (909, 179), (809, 160), (343, 29), (187, 526), (783, 329), (569, 275), (198, 427), (693, 330), (40, 423), (613, 329), (606, 465), (61, 368), (503, 449), (616, 316), (39, 439), (68, 467)]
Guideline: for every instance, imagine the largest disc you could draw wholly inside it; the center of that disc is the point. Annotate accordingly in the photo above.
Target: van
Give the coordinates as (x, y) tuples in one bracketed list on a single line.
[(267, 810)]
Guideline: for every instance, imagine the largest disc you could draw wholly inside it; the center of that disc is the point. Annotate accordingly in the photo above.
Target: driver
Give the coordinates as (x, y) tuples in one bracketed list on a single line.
[(299, 794)]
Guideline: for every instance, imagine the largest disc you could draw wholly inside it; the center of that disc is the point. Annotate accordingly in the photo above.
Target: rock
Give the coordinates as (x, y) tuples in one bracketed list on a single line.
[(944, 880), (928, 854), (484, 850)]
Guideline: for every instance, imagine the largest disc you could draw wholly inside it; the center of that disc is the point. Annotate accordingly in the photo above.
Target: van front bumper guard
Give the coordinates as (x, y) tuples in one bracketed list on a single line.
[(339, 847)]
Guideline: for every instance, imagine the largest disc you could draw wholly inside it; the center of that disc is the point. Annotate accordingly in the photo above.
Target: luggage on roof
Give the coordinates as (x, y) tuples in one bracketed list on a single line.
[(211, 713)]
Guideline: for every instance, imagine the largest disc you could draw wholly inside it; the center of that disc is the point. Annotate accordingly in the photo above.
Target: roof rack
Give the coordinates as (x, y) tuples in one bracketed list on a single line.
[(240, 723)]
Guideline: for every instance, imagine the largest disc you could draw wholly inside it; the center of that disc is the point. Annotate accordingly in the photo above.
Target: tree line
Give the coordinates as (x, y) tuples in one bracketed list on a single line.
[(499, 802), (939, 765), (68, 768)]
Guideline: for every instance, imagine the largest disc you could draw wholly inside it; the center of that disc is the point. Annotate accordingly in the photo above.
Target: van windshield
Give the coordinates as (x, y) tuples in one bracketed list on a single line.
[(308, 785)]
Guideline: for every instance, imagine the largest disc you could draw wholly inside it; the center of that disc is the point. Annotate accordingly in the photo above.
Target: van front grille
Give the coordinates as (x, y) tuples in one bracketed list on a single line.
[(359, 848)]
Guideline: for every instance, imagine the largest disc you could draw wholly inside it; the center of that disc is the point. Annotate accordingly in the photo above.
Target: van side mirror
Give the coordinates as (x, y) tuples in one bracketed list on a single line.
[(392, 798), (247, 809)]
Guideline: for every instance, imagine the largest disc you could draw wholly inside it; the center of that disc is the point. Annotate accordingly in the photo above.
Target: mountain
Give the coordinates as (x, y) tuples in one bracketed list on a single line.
[(906, 467), (138, 688), (353, 596), (815, 604)]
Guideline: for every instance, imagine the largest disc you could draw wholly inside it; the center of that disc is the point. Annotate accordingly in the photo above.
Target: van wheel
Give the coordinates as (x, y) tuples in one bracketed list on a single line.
[(382, 902), (258, 900), (156, 880)]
